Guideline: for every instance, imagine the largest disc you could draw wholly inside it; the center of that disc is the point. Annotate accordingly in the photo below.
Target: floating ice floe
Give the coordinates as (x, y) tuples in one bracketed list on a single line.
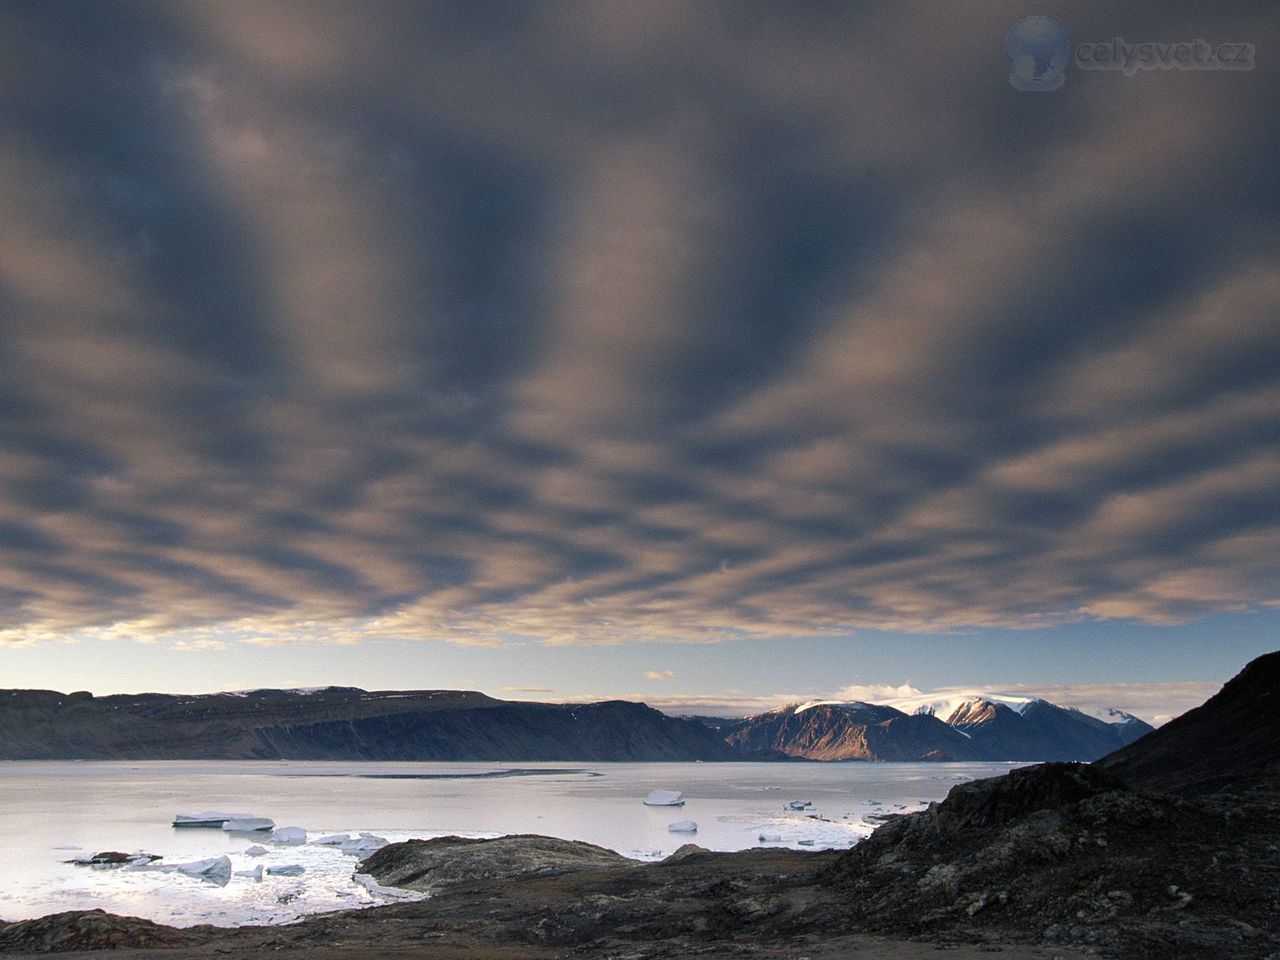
[(254, 874), (217, 869), (770, 838), (799, 804), (332, 840), (256, 851), (805, 843), (664, 798), (378, 890), (682, 826), (287, 870), (291, 835), (248, 824), (364, 844), (207, 818)]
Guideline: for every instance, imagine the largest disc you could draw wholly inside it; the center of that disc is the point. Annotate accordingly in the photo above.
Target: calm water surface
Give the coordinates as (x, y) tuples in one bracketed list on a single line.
[(50, 812)]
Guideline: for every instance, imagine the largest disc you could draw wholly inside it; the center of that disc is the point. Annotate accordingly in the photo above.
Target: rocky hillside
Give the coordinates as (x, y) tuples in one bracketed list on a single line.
[(1228, 741), (1091, 854), (974, 729), (341, 723)]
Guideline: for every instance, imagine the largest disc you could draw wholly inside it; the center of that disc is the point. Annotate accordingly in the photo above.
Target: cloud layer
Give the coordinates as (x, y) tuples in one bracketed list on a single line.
[(582, 323)]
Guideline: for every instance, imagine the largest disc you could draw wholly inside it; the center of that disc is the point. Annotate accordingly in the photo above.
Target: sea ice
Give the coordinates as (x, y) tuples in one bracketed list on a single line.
[(364, 844), (207, 818), (248, 824), (256, 851), (288, 835), (217, 869), (287, 870), (664, 798), (378, 890), (332, 840), (682, 826)]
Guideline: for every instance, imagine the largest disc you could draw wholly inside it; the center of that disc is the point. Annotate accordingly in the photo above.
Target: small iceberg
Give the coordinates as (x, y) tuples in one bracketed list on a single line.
[(256, 851), (208, 818), (248, 824), (287, 870), (364, 844), (682, 826), (216, 869), (290, 835), (332, 840), (254, 874), (770, 838), (799, 804), (805, 843), (664, 798)]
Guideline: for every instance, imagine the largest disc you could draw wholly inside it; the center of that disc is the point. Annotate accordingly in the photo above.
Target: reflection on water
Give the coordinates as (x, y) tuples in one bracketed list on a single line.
[(52, 812)]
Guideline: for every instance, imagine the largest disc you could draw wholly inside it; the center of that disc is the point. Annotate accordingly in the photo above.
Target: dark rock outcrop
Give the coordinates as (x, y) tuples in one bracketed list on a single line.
[(89, 930), (439, 864)]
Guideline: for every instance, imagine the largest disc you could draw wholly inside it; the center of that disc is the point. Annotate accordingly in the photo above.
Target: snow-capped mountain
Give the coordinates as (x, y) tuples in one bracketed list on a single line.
[(959, 728)]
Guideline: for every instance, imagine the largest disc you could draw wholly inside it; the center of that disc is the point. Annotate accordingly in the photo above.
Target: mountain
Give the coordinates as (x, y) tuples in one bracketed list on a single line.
[(341, 723), (1231, 741), (974, 728)]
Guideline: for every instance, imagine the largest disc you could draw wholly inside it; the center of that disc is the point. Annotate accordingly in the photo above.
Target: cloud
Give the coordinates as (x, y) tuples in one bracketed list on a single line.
[(659, 675), (581, 328)]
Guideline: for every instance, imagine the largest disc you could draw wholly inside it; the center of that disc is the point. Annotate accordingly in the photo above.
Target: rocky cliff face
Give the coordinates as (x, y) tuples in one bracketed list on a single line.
[(341, 723)]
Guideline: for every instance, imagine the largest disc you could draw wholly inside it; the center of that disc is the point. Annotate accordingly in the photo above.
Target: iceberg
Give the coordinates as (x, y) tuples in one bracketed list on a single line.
[(682, 826), (770, 838), (254, 874), (207, 818), (287, 870), (799, 804), (290, 835), (248, 824), (664, 798), (364, 844), (256, 851), (217, 869), (332, 840)]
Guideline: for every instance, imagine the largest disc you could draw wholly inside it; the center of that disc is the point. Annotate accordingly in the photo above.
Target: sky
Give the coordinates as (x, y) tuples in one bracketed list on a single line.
[(716, 354)]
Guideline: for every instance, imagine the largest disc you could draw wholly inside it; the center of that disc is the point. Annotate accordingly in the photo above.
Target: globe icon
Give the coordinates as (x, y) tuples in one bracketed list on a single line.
[(1038, 52)]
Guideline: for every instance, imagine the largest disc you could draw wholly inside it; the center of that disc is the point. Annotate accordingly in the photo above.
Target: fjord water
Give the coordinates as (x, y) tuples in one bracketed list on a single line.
[(53, 811)]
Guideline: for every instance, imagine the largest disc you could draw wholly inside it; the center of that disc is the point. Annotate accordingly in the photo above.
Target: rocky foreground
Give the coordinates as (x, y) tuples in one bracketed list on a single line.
[(1165, 850)]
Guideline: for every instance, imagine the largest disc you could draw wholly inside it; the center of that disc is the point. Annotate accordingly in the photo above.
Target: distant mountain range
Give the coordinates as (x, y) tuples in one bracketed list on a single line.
[(346, 723), (975, 728), (342, 723)]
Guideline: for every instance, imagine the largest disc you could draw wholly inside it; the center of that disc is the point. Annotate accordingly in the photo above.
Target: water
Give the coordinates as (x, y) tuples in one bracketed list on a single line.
[(54, 811)]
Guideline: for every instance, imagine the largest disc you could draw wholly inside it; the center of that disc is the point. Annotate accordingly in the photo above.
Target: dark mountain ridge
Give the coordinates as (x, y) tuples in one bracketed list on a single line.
[(341, 723)]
